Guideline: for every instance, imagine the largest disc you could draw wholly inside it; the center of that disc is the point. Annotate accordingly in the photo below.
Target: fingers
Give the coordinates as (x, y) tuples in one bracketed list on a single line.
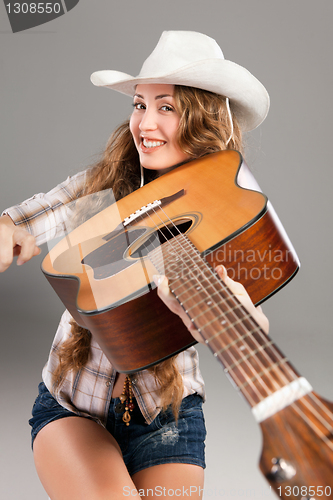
[(163, 291), (15, 242), (172, 303), (27, 245), (236, 288), (6, 247), (240, 292)]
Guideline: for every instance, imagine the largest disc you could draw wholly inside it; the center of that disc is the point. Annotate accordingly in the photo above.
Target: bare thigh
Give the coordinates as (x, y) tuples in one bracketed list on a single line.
[(170, 481), (77, 459)]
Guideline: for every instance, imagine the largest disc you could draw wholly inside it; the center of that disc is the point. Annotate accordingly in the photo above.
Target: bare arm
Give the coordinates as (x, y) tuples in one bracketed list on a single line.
[(15, 241)]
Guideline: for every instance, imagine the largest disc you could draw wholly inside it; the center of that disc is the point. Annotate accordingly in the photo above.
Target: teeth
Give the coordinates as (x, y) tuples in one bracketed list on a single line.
[(149, 144)]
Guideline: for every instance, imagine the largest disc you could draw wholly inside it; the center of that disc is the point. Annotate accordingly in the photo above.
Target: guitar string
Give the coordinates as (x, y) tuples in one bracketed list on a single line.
[(292, 373), (239, 322), (319, 417), (314, 427), (294, 376), (329, 414), (259, 396), (313, 397), (238, 305), (235, 362), (243, 359)]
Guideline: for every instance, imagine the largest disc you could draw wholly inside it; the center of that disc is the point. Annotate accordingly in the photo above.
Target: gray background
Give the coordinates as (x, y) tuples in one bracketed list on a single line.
[(54, 121)]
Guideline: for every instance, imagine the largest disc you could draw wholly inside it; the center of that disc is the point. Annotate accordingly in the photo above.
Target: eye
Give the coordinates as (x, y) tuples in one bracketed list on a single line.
[(166, 107), (139, 105)]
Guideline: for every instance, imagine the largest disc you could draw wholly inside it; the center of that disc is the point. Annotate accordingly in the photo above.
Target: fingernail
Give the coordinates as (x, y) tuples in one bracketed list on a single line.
[(220, 267), (158, 279)]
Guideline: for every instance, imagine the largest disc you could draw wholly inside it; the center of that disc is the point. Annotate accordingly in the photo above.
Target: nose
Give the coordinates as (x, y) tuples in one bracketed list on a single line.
[(148, 120)]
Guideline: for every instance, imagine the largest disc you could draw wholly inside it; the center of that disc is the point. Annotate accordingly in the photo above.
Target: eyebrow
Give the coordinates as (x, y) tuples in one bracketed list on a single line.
[(156, 98)]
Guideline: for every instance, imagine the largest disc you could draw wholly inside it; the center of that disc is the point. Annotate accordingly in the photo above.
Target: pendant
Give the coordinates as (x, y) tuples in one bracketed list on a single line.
[(126, 404), (126, 417), (119, 408)]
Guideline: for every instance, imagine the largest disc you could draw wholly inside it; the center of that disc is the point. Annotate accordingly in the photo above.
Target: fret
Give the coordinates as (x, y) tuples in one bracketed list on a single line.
[(260, 358), (209, 302), (238, 322), (247, 354), (234, 342), (200, 302), (186, 291), (218, 326), (195, 290), (224, 322), (250, 364), (192, 281), (188, 287), (206, 300), (254, 389), (250, 394), (246, 357), (260, 374), (196, 308), (228, 338), (251, 338)]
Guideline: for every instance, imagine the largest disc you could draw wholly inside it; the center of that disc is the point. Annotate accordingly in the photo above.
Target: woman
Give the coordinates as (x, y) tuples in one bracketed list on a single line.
[(83, 447)]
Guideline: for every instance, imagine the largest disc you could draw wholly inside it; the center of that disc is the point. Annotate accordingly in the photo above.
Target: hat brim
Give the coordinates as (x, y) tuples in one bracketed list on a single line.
[(248, 97)]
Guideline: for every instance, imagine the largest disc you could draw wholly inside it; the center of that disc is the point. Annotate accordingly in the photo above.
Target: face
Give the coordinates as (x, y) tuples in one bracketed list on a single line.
[(153, 124)]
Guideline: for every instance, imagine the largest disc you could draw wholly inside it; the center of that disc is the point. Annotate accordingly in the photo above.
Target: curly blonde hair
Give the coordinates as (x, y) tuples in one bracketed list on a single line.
[(204, 127)]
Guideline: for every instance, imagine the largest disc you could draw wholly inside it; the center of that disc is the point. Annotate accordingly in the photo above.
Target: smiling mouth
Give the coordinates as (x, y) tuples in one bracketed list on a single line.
[(151, 144)]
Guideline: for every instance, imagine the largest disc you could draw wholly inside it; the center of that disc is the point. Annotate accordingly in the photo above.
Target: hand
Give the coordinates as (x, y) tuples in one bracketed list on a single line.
[(15, 241), (237, 288)]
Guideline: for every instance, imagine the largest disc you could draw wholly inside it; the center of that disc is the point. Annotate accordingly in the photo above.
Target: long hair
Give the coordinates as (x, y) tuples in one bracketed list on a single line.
[(204, 127)]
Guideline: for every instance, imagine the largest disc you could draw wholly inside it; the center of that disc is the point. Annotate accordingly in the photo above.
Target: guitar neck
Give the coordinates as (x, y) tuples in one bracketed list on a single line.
[(302, 454), (249, 357)]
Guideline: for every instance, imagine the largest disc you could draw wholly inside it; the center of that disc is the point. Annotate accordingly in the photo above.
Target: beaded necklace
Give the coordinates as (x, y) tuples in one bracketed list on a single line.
[(126, 404)]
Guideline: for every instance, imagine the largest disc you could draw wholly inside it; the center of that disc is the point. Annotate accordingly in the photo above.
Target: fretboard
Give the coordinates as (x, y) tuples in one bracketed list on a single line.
[(249, 357)]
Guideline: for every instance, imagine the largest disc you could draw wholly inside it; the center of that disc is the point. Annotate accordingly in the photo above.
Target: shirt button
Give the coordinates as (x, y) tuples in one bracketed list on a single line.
[(133, 380), (108, 383)]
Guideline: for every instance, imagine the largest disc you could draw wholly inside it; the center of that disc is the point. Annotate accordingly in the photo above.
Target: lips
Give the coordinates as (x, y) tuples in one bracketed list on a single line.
[(152, 144), (149, 145)]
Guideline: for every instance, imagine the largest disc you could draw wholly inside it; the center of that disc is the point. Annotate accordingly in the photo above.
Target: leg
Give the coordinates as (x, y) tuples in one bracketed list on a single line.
[(170, 481), (77, 459), (169, 442)]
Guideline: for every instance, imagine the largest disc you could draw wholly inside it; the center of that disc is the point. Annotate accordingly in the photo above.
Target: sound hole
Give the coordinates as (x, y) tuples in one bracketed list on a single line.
[(160, 236), (123, 247)]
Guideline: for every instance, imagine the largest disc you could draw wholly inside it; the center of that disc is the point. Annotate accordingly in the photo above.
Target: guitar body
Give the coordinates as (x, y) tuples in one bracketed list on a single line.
[(100, 275), (297, 458)]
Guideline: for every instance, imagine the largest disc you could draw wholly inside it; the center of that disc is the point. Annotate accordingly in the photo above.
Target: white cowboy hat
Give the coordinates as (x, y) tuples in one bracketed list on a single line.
[(195, 60)]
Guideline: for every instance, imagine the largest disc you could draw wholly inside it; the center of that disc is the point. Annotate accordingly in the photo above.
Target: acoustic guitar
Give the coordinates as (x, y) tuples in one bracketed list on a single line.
[(103, 274), (297, 424)]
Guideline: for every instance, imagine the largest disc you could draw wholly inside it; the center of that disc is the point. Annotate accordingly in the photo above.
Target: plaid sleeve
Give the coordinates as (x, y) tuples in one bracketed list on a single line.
[(44, 214)]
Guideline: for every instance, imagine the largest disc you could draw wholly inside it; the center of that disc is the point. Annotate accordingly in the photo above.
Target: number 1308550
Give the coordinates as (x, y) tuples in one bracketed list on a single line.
[(33, 8), (306, 492)]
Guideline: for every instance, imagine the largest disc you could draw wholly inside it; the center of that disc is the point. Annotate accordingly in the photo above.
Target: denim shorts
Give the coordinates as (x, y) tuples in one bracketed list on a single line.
[(143, 445)]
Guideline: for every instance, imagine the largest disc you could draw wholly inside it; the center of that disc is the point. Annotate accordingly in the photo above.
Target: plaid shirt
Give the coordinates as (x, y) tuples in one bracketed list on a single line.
[(88, 392)]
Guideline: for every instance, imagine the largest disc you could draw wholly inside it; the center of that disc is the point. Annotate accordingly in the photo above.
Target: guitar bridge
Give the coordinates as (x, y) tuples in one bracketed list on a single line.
[(155, 204)]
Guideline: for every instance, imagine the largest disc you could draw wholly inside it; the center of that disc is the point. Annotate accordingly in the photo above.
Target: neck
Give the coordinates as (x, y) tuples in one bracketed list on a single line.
[(248, 355)]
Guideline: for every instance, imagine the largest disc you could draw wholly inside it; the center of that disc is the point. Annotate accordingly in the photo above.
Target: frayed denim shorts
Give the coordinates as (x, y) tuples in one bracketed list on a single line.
[(143, 445)]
